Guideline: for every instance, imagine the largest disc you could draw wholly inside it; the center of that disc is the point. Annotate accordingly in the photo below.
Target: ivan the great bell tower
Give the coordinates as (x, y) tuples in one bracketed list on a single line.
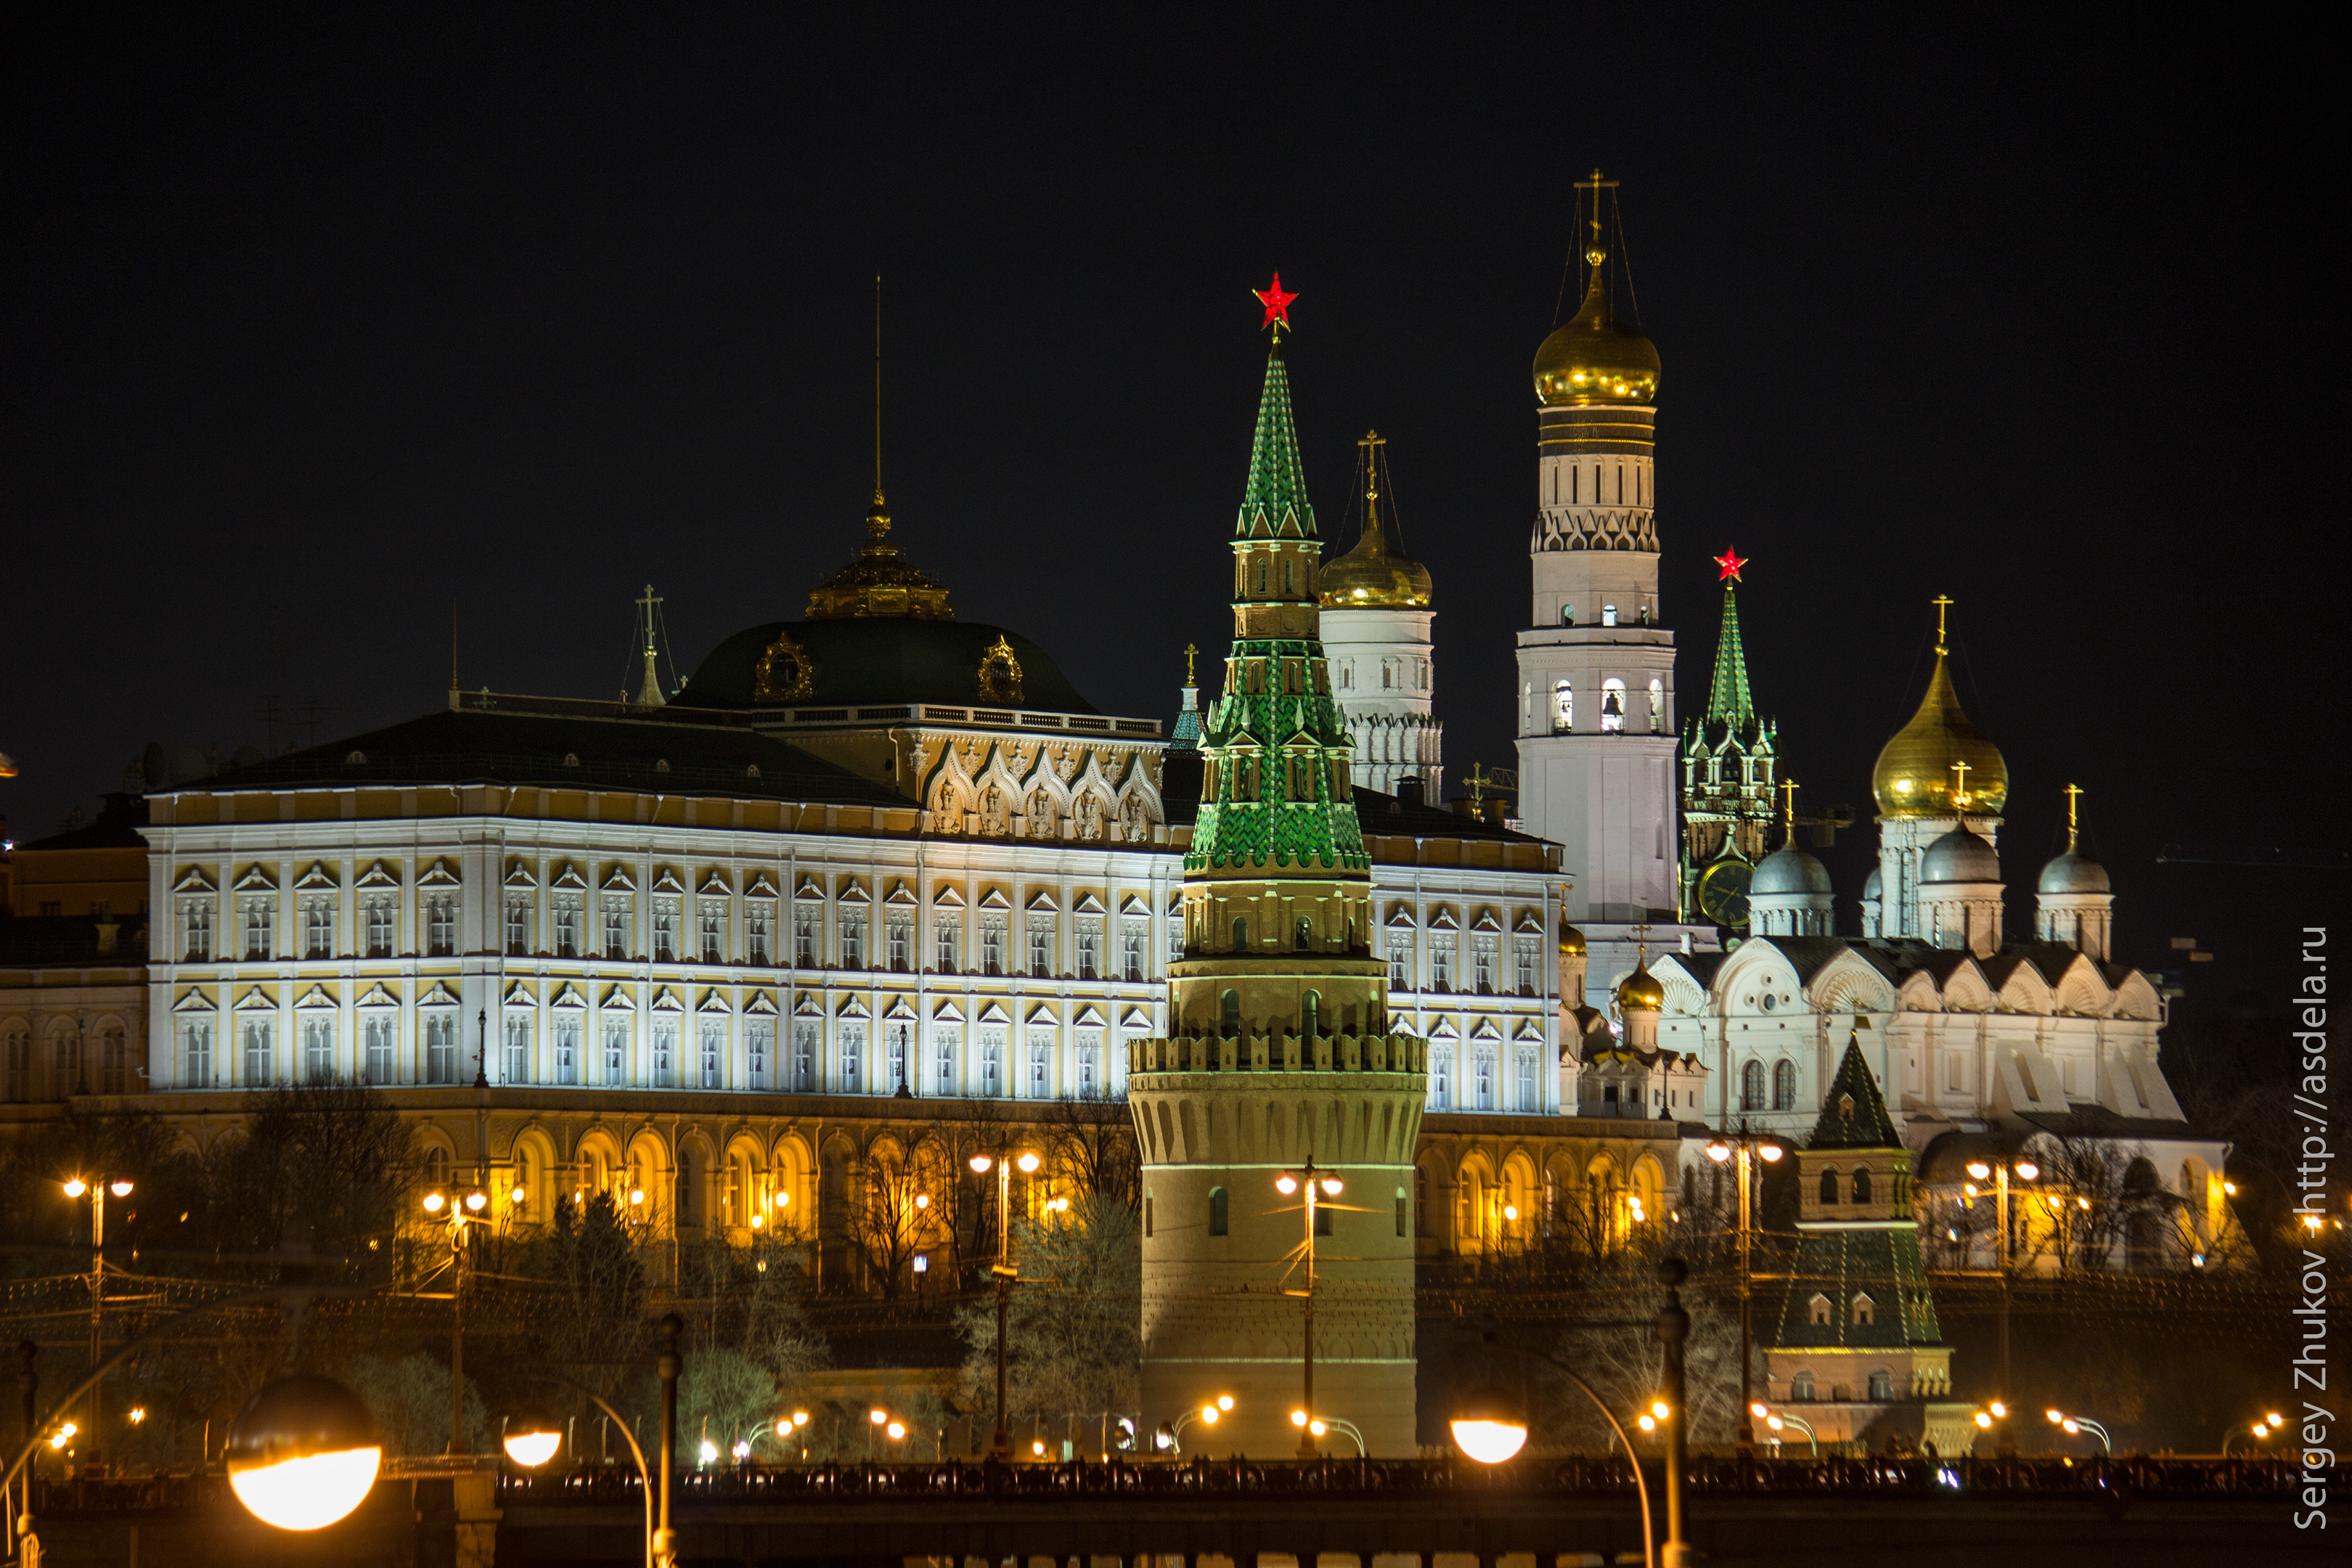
[(1596, 664)]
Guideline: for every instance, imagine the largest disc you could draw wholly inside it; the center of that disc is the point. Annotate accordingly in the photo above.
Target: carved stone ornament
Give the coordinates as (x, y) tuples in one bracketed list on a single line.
[(785, 673), (1000, 673)]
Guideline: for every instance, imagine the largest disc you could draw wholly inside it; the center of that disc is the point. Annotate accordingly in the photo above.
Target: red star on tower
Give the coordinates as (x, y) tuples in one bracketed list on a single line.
[(1731, 564), (1277, 304)]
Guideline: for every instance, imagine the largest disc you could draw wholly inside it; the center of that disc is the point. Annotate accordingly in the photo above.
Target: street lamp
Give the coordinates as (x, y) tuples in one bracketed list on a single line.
[(1316, 1189), (303, 1453), (1786, 1418), (458, 1210), (2266, 1428), (1167, 1440), (1000, 1443), (74, 1187), (1492, 1425), (1747, 1149), (2026, 1171), (2074, 1425)]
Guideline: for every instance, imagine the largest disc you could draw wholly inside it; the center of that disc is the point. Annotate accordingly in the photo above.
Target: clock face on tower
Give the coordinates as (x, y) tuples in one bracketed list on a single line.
[(1722, 892)]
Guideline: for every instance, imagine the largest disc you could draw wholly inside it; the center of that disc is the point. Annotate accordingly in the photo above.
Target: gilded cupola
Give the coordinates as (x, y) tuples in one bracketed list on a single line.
[(1940, 763), (878, 582), (1370, 576)]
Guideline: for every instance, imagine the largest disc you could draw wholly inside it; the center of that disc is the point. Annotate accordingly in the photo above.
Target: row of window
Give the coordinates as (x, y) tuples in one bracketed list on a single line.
[(1486, 951), (1397, 674), (317, 914), (1569, 477), (1612, 707), (576, 1058), (1485, 1090), (106, 1068), (1784, 1086)]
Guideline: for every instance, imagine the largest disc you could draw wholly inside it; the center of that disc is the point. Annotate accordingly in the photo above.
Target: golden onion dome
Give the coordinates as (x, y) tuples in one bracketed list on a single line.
[(1596, 358), (1372, 576), (1914, 775), (879, 582), (1641, 989), (1572, 940)]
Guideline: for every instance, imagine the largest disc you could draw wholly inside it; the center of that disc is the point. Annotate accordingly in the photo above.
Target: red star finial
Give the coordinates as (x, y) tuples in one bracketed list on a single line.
[(1731, 564), (1277, 304)]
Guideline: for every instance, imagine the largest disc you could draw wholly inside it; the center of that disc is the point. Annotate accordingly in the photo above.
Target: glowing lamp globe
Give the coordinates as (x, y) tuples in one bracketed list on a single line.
[(76, 1186), (1027, 1162), (2027, 1170), (1490, 1427), (1770, 1153), (303, 1453), (532, 1439)]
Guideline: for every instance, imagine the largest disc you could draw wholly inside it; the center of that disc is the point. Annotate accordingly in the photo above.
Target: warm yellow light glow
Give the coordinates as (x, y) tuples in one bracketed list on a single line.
[(756, 1219), (784, 1427), (2071, 1425), (782, 1199), (636, 1195), (1285, 1185), (1332, 1186), (1490, 1442), (800, 1417), (138, 1414), (533, 1449), (1760, 1411), (1209, 1414), (1027, 1164), (897, 1429), (1979, 1170), (1510, 1211), (76, 1186), (1984, 1420), (1771, 1151), (1775, 1423), (120, 1189), (1718, 1151), (57, 1439), (2055, 1416), (982, 1163), (517, 1195), (309, 1492), (2082, 1203), (2027, 1170), (1998, 1408), (2231, 1188), (1648, 1423), (878, 1416), (433, 1202), (1037, 1448), (1316, 1428), (476, 1199), (1299, 1418), (708, 1450), (922, 1200), (1225, 1401), (2275, 1419), (1658, 1409)]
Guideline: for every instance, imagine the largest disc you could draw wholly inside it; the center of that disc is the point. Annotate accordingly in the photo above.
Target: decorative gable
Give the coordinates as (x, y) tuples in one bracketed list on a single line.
[(437, 875), (1087, 904), (378, 996), (666, 880), (439, 996), (520, 875), (618, 880), (947, 895), (714, 885), (568, 876), (195, 879), (256, 879), (378, 874), (899, 893), (318, 875)]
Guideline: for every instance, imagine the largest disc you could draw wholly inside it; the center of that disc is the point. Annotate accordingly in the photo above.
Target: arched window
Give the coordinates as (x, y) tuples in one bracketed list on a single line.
[(1861, 1183), (1241, 933), (1568, 614), (1751, 1086), (1828, 1186), (1612, 706), (1420, 1200), (1286, 578), (1882, 1387), (1563, 708), (1801, 1387), (1261, 575), (1657, 698), (1302, 934), (1216, 1210), (1784, 1086), (1311, 1014), (1230, 1022)]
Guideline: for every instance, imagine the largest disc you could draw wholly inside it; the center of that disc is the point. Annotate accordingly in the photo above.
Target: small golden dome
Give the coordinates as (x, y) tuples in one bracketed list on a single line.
[(878, 582), (1914, 776), (1572, 940), (1372, 576), (1596, 358), (1641, 989)]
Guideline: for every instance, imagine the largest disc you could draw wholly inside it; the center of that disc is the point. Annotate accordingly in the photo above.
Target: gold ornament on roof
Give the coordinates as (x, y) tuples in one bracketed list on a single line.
[(1000, 673), (1640, 988), (785, 673), (878, 583), (1370, 576), (1926, 770)]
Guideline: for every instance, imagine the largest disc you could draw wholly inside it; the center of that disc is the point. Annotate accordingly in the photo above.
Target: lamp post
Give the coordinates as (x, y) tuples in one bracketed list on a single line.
[(2072, 1424), (1491, 1426), (1744, 1149), (1786, 1418), (1330, 1187), (2266, 1428), (1168, 1437), (2026, 1171), (1000, 1444), (457, 1211), (1674, 1331), (75, 1187)]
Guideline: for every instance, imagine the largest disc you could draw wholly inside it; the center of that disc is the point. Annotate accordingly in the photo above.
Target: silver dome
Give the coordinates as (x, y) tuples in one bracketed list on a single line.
[(1959, 856), (1788, 870), (2072, 873)]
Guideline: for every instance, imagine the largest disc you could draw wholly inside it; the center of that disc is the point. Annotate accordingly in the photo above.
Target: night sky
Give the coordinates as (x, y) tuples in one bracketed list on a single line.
[(315, 326)]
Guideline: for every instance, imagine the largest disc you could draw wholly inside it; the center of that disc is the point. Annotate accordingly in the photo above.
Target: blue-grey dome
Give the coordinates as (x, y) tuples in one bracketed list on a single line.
[(1873, 885), (1788, 870), (2072, 873), (1959, 856)]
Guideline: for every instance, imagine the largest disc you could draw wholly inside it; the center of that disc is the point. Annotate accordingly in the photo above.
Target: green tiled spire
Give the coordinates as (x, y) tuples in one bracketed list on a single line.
[(1853, 1113), (1277, 792), (1728, 701), (1275, 503)]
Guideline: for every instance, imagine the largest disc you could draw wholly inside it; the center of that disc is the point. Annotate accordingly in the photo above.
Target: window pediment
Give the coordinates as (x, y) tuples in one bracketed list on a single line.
[(194, 1001), (318, 875), (520, 875), (195, 879), (257, 879), (568, 876)]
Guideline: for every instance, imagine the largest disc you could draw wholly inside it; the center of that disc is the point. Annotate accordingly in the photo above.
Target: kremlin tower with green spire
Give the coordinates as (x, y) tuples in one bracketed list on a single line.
[(1730, 770), (1282, 1061)]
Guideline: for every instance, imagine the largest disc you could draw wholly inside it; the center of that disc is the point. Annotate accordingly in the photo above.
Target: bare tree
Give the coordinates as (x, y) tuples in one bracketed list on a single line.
[(1091, 1140), (1074, 1341)]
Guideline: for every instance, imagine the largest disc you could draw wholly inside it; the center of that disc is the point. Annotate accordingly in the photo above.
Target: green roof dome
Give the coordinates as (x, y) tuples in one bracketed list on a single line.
[(883, 659)]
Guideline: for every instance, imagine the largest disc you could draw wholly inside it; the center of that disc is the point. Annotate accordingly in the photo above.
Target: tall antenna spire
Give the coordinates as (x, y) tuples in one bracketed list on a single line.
[(453, 645)]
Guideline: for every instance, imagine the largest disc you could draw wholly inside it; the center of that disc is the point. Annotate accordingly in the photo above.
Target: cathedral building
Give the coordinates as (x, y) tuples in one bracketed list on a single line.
[(1980, 1041), (1376, 633)]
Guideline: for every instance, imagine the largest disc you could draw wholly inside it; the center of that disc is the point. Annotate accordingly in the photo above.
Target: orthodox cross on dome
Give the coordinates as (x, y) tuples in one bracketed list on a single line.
[(2074, 799), (1277, 307), (1942, 602), (1788, 806), (1594, 255), (1729, 565), (1191, 653), (1641, 931), (1960, 789)]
